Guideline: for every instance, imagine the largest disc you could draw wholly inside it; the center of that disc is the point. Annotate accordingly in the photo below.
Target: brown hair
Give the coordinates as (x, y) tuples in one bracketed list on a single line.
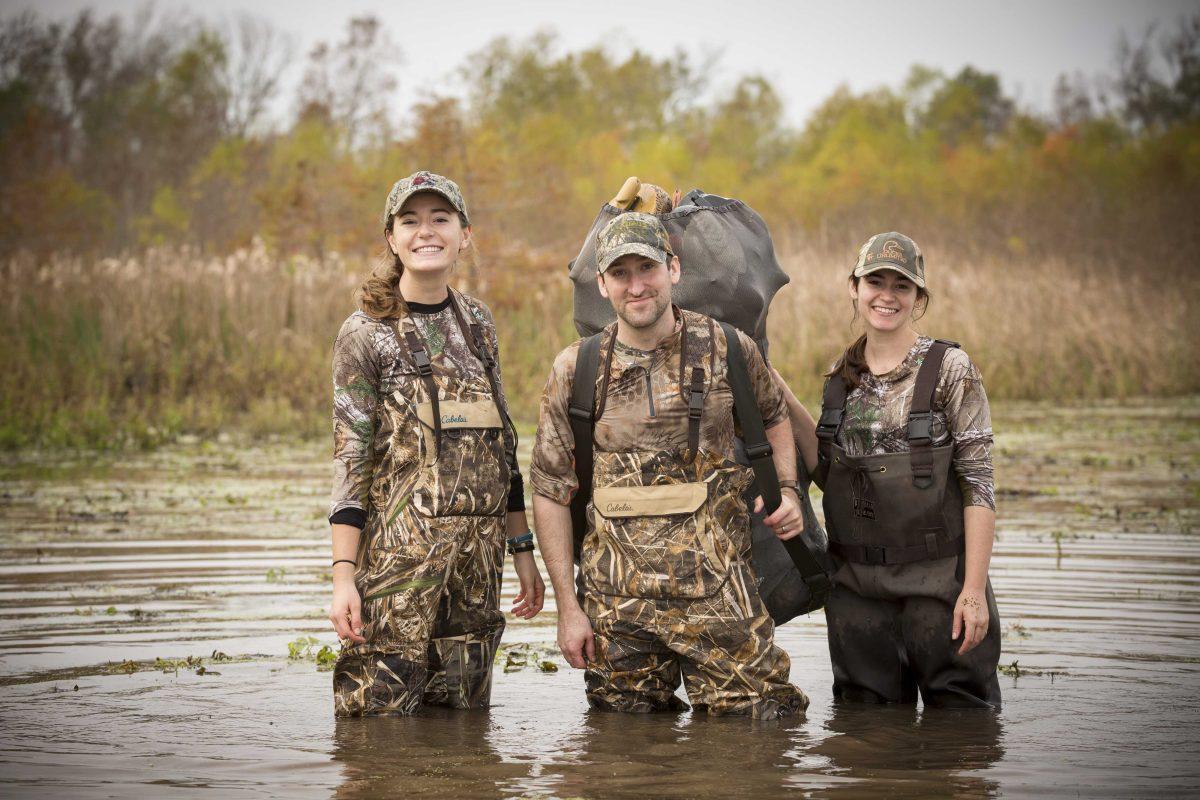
[(379, 295), (854, 361)]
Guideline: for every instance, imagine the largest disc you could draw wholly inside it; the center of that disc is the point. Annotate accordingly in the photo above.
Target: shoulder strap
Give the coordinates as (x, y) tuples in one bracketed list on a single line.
[(582, 416), (833, 403), (477, 344), (420, 357), (759, 451), (920, 414)]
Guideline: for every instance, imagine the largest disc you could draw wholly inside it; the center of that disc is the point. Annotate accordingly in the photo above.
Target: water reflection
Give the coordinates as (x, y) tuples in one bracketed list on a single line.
[(899, 751), (438, 753)]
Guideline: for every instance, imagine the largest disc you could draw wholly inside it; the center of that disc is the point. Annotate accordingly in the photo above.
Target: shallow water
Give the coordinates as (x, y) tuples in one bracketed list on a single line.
[(213, 550)]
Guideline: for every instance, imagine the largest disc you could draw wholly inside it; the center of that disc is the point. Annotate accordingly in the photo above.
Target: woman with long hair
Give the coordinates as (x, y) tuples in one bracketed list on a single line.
[(426, 487), (902, 451)]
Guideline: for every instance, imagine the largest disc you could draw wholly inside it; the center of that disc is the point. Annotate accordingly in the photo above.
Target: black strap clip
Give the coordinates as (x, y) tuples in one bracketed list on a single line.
[(920, 427), (828, 424), (874, 554), (696, 396), (581, 414), (757, 451)]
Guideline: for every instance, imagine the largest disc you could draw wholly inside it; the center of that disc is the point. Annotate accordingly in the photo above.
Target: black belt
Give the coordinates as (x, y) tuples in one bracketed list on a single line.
[(895, 554)]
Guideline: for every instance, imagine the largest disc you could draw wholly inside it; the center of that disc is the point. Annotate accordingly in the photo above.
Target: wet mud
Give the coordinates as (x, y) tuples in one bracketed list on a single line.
[(162, 629)]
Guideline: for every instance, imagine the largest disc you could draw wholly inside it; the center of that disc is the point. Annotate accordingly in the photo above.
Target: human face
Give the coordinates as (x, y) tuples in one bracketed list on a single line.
[(639, 288), (885, 299), (427, 233)]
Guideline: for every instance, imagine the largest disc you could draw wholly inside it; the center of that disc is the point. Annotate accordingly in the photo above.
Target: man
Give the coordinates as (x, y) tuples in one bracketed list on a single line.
[(668, 590)]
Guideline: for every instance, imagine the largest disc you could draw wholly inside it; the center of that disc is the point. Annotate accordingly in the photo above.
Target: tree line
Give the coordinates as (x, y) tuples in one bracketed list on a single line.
[(117, 135)]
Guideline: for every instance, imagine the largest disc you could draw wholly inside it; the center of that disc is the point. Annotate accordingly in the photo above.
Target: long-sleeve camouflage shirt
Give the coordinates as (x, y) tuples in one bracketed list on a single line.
[(876, 418), (639, 413), (370, 362)]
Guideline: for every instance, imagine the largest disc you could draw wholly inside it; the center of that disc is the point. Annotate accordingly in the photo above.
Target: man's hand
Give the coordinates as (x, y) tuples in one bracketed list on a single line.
[(786, 521), (575, 638)]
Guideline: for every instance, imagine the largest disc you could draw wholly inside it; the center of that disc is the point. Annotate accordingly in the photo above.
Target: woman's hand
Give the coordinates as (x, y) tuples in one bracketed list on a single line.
[(970, 619), (345, 612), (529, 600)]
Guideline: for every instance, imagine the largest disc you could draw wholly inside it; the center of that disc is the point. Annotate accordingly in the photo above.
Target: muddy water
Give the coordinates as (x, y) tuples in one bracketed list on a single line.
[(212, 559)]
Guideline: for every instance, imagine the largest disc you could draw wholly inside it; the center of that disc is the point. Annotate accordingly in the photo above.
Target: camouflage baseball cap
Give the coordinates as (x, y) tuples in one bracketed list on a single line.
[(632, 232), (424, 182), (891, 251)]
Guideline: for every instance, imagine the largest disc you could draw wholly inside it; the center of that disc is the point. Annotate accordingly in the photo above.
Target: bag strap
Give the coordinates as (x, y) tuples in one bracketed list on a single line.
[(920, 414), (582, 416), (759, 451)]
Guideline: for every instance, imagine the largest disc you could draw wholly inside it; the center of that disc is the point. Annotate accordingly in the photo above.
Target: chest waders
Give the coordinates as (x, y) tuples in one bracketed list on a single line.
[(894, 508), (664, 570), (896, 528), (433, 550)]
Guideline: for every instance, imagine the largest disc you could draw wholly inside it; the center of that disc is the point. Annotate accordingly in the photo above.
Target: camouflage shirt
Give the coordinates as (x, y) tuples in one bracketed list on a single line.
[(370, 362), (636, 416), (876, 417)]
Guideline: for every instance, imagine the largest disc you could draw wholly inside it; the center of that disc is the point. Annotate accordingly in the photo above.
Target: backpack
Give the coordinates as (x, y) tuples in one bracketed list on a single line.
[(730, 274)]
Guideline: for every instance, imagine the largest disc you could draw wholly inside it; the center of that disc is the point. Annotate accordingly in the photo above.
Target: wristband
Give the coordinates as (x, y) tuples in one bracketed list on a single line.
[(346, 561), (522, 543)]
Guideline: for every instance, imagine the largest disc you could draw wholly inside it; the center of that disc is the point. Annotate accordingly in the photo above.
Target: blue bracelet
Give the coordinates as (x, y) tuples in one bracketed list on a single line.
[(527, 536)]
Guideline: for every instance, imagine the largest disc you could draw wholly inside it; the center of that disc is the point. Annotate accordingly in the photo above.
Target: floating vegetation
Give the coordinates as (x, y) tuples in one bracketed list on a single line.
[(523, 655), (275, 575), (305, 648), (1015, 670), (1015, 630)]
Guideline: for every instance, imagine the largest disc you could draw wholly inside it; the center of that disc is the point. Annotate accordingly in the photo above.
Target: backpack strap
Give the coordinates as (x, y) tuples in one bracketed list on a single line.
[(759, 451), (920, 414), (582, 416)]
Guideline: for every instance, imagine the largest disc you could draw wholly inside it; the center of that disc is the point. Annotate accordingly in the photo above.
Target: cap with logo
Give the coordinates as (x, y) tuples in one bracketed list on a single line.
[(632, 232), (423, 182), (891, 251)]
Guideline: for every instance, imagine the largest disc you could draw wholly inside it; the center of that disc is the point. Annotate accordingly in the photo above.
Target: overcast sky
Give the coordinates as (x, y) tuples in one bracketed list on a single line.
[(805, 49)]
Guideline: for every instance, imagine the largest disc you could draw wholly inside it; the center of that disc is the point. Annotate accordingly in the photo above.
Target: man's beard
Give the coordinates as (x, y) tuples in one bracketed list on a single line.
[(646, 318)]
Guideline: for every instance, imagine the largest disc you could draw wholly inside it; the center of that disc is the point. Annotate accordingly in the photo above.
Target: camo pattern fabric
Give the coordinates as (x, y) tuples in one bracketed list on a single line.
[(645, 409), (431, 552), (721, 647), (423, 182), (670, 596), (875, 420)]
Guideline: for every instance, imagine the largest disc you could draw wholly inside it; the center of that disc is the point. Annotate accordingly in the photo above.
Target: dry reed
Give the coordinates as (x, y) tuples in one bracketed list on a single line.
[(136, 351)]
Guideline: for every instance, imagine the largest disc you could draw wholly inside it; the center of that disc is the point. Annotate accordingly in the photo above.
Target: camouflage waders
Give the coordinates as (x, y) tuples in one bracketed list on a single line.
[(665, 566), (896, 532), (432, 551)]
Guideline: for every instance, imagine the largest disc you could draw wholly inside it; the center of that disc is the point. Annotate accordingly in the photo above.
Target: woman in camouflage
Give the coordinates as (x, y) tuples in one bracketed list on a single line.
[(903, 453), (426, 484)]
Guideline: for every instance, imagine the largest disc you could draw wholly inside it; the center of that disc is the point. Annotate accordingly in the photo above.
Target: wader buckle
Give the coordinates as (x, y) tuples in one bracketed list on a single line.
[(920, 426), (876, 555), (831, 420), (421, 360)]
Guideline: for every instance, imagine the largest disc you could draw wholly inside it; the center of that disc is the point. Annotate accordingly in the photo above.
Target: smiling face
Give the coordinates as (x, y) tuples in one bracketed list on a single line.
[(427, 234), (884, 299), (639, 288)]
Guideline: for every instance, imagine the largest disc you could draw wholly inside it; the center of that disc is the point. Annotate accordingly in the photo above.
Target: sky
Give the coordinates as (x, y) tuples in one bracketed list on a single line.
[(805, 49)]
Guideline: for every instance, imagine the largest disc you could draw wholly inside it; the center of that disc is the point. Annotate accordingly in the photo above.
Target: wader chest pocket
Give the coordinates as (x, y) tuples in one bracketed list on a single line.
[(470, 475), (656, 542)]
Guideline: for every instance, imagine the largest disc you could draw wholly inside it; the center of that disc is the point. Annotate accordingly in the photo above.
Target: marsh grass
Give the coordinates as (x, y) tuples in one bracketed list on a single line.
[(135, 351)]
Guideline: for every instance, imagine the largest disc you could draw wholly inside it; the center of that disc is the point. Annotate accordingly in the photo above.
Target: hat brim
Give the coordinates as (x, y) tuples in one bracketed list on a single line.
[(638, 248), (879, 266), (403, 198)]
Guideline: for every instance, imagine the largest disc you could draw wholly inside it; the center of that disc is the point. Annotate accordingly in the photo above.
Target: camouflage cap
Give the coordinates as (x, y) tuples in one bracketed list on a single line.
[(423, 182), (891, 250), (632, 232)]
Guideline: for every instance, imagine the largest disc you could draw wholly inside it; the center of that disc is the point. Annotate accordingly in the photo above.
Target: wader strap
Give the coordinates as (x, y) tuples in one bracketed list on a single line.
[(869, 554), (833, 403), (420, 357), (759, 451), (695, 410), (920, 414), (583, 420), (477, 344)]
